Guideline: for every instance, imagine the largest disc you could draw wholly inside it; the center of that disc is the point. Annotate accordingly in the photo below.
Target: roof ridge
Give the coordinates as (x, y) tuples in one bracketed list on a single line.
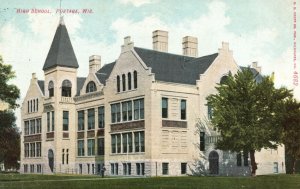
[(165, 52)]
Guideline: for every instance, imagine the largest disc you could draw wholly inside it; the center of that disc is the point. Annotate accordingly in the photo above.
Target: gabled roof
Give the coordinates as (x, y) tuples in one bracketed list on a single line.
[(175, 68), (61, 52), (42, 86), (104, 72), (80, 83)]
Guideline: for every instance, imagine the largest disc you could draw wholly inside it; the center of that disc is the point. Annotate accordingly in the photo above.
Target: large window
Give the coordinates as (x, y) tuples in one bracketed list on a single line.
[(100, 150), (124, 111), (32, 149), (183, 109), (26, 149), (127, 142), (32, 126), (38, 149), (139, 141), (101, 117), (80, 120), (38, 125), (135, 84), (128, 111), (164, 108), (80, 147), (202, 141), (51, 88), (91, 118), (165, 168), (66, 88), (91, 147), (116, 143), (65, 121), (129, 81), (26, 127), (90, 87), (123, 82), (138, 109), (118, 83)]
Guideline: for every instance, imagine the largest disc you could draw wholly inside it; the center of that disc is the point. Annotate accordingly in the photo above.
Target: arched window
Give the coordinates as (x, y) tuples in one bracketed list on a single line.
[(51, 88), (66, 88), (129, 81), (123, 82), (135, 79), (91, 87), (118, 83)]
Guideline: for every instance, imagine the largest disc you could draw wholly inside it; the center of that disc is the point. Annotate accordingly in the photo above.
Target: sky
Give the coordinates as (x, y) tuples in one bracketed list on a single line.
[(256, 30)]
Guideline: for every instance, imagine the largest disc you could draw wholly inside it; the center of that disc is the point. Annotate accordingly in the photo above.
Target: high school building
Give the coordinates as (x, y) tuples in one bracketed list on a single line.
[(135, 116)]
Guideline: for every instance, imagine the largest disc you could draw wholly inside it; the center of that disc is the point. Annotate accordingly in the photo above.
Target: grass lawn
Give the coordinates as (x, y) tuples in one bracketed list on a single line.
[(90, 182)]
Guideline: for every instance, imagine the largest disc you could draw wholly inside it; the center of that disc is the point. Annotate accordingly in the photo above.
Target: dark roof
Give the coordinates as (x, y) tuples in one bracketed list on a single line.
[(42, 86), (104, 72), (80, 83), (175, 68), (257, 75), (61, 52)]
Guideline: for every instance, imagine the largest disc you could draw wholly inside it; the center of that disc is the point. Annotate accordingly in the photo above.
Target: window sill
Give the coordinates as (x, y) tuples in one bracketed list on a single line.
[(127, 121), (122, 154)]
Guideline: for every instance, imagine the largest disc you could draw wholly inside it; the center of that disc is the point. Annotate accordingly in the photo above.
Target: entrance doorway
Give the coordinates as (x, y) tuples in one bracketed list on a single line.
[(51, 159), (213, 163)]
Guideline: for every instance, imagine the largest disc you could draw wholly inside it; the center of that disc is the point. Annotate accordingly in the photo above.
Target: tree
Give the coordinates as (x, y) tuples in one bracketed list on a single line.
[(9, 134), (9, 93), (291, 130), (245, 112)]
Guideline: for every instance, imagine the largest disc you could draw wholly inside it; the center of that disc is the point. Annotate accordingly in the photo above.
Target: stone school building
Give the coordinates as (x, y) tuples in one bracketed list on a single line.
[(136, 116)]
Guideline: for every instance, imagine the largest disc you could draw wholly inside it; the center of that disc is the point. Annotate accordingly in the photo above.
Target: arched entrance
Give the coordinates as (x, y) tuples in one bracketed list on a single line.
[(51, 159), (213, 163)]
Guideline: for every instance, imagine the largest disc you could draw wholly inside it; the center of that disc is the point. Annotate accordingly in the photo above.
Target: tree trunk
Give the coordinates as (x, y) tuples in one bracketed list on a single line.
[(253, 163)]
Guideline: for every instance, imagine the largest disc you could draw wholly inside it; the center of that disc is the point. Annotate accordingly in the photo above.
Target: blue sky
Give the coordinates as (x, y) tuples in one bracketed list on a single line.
[(256, 31)]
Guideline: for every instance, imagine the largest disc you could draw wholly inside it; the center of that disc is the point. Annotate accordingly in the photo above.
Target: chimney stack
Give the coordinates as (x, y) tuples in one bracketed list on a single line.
[(257, 68), (190, 46), (160, 40), (94, 63)]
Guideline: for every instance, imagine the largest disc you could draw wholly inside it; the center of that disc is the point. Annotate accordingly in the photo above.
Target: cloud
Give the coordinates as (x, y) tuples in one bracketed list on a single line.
[(136, 3)]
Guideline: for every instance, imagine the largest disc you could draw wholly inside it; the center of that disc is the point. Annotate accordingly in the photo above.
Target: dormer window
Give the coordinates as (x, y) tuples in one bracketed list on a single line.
[(66, 88), (91, 87), (51, 88)]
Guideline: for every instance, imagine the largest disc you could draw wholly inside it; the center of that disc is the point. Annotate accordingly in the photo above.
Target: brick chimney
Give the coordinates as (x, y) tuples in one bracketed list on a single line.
[(160, 40), (94, 63), (190, 46), (257, 68)]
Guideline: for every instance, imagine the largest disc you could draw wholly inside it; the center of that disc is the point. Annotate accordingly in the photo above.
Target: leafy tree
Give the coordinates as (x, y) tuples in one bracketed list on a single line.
[(291, 130), (9, 93), (9, 134), (9, 140), (245, 112)]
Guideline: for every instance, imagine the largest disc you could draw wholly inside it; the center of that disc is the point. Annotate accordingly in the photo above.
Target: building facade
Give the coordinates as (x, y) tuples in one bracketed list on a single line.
[(135, 116)]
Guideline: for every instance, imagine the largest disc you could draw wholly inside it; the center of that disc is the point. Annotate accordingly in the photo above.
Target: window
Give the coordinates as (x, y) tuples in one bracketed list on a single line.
[(26, 127), (124, 142), (90, 87), (164, 108), (138, 109), (25, 168), (66, 88), (183, 168), (275, 167), (67, 157), (101, 117), (129, 106), (239, 159), (113, 143), (26, 149), (37, 104), (80, 120), (48, 121), (126, 168), (116, 143), (123, 82), (38, 168), (118, 83), (80, 148), (88, 168), (202, 141), (38, 149), (209, 111), (31, 168), (91, 147), (139, 141), (124, 111), (53, 120), (118, 113), (33, 105), (246, 162), (38, 125), (135, 79), (32, 149), (183, 109), (129, 139), (129, 81), (115, 113), (93, 168), (63, 156), (100, 150), (28, 106), (51, 88), (140, 168), (165, 168), (91, 118), (114, 168), (32, 126), (65, 120), (119, 143)]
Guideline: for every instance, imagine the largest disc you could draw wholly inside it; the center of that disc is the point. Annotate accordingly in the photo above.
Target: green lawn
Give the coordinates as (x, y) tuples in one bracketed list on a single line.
[(90, 182)]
